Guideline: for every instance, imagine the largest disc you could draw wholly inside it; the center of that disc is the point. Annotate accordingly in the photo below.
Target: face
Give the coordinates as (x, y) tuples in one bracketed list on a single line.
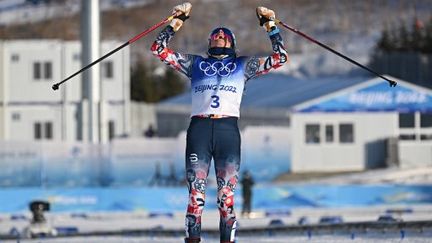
[(220, 39)]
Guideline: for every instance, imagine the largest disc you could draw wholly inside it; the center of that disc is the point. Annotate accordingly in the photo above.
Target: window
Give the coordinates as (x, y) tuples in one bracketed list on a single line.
[(346, 133), (425, 120), (37, 131), (108, 69), (415, 126), (43, 130), (42, 70), (329, 135), (16, 116), (111, 130), (312, 133), (76, 57), (48, 130), (37, 71), (407, 137), (48, 70), (14, 57), (426, 137), (406, 120)]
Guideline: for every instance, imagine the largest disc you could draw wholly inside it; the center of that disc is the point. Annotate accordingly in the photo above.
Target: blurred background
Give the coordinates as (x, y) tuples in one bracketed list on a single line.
[(319, 136)]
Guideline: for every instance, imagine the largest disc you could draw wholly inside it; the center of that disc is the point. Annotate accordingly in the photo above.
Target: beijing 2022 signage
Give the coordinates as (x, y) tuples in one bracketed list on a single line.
[(378, 97)]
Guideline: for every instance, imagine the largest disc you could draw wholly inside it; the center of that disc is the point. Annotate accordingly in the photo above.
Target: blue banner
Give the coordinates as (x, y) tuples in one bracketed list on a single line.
[(403, 98), (165, 199)]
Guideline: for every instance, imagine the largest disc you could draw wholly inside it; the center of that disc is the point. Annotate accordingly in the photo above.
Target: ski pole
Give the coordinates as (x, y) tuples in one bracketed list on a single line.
[(391, 82), (137, 37)]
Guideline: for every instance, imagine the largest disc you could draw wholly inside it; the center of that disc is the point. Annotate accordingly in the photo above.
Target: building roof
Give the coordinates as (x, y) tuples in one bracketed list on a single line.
[(282, 91), (374, 95)]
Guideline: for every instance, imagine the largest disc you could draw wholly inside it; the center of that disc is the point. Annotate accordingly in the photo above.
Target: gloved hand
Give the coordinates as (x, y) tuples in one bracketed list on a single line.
[(182, 12), (266, 18)]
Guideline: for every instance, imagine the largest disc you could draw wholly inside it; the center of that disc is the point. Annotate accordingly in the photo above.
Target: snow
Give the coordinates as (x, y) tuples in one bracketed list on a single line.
[(360, 238), (323, 22), (7, 4), (18, 11), (408, 176)]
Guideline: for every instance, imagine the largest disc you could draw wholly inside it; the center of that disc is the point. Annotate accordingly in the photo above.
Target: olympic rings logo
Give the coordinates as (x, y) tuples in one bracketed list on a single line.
[(211, 69)]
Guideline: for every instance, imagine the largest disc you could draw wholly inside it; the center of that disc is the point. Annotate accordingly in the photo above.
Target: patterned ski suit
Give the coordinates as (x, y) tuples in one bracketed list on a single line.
[(217, 86)]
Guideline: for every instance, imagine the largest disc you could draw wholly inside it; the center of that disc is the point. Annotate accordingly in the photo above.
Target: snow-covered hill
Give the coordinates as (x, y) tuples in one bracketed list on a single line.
[(351, 27), (30, 11)]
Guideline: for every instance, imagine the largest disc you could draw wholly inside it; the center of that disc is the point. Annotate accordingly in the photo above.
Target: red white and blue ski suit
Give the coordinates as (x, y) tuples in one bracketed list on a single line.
[(217, 86)]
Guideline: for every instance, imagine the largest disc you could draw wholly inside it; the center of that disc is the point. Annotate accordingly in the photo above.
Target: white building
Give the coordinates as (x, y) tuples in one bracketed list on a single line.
[(31, 110), (336, 123), (365, 126)]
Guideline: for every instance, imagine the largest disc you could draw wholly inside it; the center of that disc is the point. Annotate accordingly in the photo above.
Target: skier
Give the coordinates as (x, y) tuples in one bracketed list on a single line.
[(217, 83)]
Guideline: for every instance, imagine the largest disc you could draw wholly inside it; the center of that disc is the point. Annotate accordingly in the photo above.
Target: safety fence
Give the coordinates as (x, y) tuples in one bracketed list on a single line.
[(130, 162)]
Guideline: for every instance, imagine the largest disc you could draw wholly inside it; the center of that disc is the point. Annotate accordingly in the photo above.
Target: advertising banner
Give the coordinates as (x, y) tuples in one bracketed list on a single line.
[(377, 97), (170, 199)]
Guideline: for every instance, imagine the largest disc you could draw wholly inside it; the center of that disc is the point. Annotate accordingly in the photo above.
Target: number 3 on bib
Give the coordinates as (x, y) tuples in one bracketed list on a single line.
[(215, 102)]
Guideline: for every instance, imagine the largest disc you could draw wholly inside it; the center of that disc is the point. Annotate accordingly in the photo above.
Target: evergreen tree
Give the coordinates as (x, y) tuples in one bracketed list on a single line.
[(428, 37), (385, 44), (148, 87), (142, 86), (403, 39), (418, 38), (400, 52), (170, 84)]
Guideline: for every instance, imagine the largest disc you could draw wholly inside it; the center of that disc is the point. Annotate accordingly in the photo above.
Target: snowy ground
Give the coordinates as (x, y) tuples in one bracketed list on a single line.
[(94, 222), (420, 175), (120, 227), (384, 238)]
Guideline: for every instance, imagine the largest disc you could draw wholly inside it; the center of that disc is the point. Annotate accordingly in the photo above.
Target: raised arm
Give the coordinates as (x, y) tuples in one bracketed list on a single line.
[(260, 65), (181, 62)]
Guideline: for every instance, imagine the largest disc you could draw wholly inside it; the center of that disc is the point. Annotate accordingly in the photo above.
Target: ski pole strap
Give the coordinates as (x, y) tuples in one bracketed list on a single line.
[(182, 17)]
